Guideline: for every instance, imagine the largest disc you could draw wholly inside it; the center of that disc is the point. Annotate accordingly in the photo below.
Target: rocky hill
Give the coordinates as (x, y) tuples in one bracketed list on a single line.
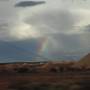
[(85, 61)]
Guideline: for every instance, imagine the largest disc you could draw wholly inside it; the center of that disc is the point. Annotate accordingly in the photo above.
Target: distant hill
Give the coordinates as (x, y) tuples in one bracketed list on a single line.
[(85, 60)]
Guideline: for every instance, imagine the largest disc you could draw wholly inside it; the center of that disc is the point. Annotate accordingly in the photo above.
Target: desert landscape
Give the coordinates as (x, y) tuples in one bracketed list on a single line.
[(44, 45), (46, 75)]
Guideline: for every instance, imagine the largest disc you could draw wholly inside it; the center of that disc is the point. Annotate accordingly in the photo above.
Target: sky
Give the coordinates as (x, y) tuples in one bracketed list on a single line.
[(54, 28)]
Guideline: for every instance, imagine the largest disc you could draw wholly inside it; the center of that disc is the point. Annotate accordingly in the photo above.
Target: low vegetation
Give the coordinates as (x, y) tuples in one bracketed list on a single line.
[(25, 85)]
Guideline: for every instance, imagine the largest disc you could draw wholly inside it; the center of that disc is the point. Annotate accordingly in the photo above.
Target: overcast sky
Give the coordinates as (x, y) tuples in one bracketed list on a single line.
[(64, 24)]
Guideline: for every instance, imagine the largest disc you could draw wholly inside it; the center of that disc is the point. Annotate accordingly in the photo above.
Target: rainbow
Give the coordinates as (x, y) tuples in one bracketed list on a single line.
[(42, 45)]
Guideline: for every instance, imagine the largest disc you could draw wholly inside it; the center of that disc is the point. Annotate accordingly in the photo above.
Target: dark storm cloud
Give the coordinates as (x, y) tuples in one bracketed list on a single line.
[(28, 3), (13, 51)]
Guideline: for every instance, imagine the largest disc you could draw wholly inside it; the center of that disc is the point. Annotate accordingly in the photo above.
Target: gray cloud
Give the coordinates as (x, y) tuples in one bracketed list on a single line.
[(59, 26), (28, 3), (86, 28), (55, 24), (4, 0), (53, 21)]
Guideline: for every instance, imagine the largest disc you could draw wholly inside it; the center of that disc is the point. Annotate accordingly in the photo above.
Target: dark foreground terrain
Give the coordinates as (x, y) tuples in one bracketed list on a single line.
[(44, 82), (44, 76)]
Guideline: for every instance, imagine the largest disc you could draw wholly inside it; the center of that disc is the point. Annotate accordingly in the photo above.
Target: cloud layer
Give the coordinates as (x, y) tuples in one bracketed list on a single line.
[(64, 24)]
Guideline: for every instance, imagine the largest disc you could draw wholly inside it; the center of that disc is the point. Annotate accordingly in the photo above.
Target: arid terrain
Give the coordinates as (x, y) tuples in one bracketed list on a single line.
[(46, 75)]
